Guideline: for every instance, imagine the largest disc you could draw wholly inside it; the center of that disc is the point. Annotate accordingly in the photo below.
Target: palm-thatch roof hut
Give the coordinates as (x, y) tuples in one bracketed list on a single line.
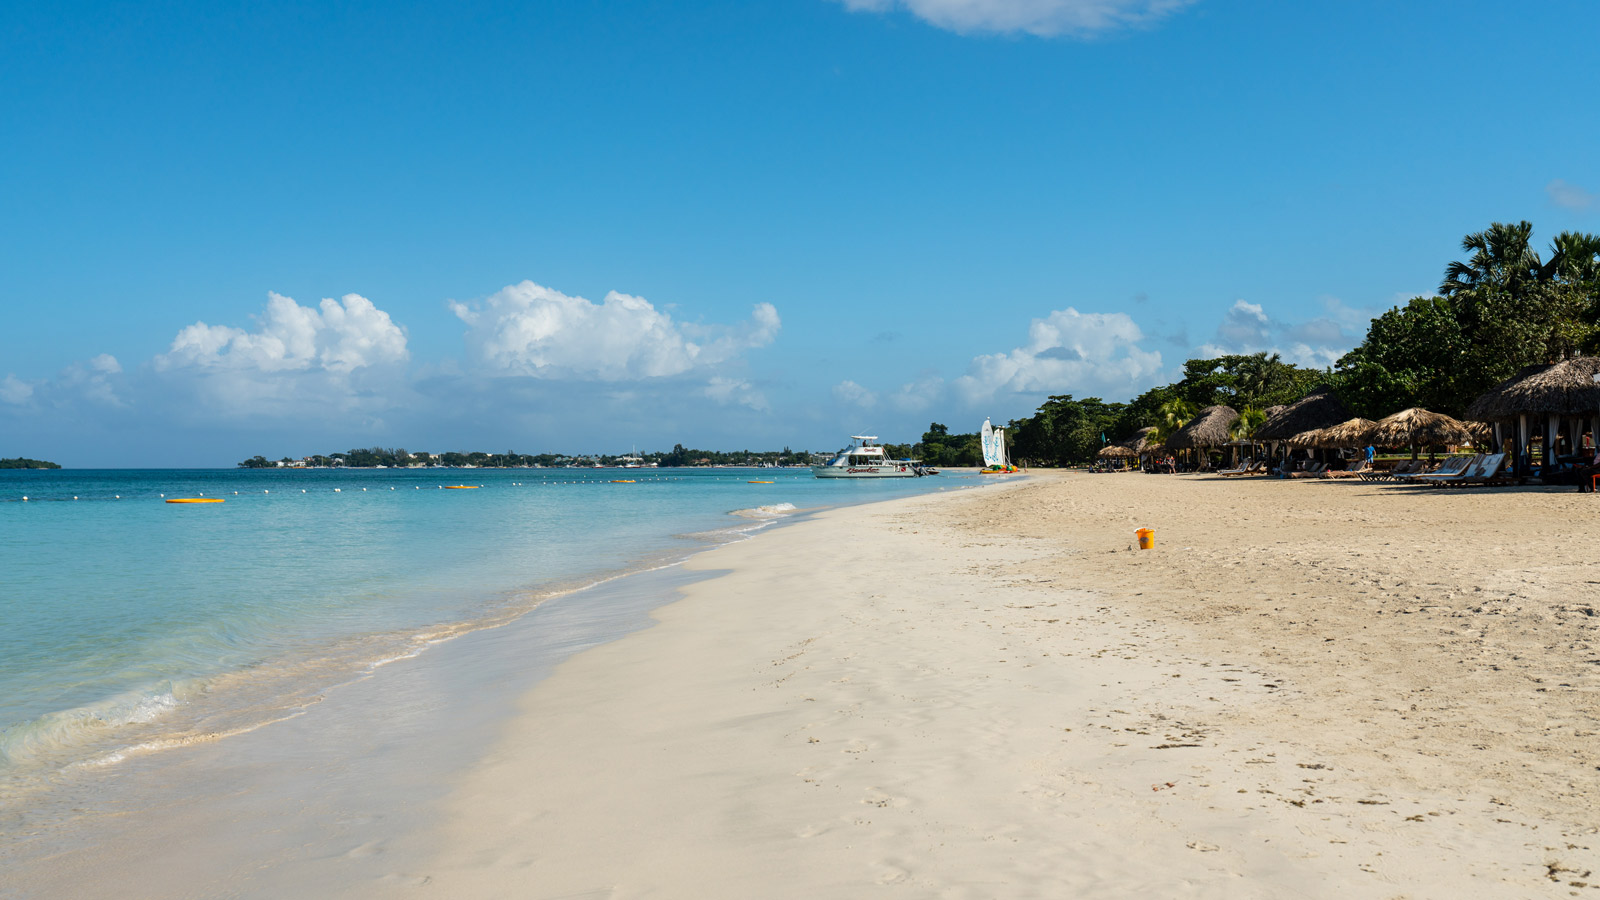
[(1141, 441), (1316, 410), (1417, 427), (1556, 393), (1353, 433), (1208, 429), (1566, 388)]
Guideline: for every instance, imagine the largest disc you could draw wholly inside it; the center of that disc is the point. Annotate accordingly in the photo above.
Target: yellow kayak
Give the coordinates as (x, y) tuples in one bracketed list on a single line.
[(460, 487), (624, 481), (195, 500), (762, 482)]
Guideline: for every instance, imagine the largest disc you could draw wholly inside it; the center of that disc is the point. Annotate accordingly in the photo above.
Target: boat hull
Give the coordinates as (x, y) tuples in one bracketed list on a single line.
[(864, 471)]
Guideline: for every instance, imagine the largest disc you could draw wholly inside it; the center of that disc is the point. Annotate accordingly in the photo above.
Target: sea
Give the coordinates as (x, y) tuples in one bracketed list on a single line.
[(132, 627)]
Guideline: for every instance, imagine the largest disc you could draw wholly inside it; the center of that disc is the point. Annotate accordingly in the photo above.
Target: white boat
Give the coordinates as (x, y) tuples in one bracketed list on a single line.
[(864, 459)]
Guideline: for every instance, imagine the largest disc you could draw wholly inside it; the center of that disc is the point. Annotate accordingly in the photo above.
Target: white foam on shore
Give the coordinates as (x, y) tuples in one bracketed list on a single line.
[(770, 511)]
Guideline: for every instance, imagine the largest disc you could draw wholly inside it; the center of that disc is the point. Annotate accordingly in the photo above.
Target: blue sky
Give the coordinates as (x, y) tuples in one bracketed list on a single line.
[(581, 226)]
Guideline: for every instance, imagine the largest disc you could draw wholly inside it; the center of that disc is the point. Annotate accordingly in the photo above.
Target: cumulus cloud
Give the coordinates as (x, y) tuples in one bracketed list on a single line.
[(1319, 342), (1569, 196), (1066, 352), (849, 393), (529, 329), (343, 336), (1044, 18), (918, 395), (14, 390), (93, 379), (340, 358), (730, 391)]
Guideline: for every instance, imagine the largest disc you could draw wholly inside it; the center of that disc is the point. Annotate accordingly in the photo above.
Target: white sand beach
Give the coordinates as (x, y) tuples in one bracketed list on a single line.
[(1304, 690)]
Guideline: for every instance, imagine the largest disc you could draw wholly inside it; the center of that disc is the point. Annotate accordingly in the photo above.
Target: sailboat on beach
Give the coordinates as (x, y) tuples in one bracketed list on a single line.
[(993, 442)]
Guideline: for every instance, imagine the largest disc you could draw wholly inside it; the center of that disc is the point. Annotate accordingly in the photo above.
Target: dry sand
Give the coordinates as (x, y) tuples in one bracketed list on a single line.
[(1306, 689)]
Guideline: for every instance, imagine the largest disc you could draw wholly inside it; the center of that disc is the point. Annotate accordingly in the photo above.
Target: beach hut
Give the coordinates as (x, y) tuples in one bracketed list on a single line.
[(1210, 428), (1419, 428), (1560, 394), (1315, 411)]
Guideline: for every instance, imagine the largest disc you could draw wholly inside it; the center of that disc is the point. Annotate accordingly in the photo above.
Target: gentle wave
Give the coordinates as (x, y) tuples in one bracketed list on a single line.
[(770, 511)]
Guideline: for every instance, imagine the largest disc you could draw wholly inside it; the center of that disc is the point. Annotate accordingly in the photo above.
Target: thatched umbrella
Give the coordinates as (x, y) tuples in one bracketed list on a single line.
[(1353, 433), (1418, 428), (1316, 410), (1208, 429), (1316, 438), (1117, 451)]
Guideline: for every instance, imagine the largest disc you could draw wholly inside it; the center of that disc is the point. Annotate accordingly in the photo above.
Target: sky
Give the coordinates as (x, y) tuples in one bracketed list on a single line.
[(579, 226)]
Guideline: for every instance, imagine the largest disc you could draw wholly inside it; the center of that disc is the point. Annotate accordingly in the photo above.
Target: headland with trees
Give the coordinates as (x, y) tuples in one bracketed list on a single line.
[(22, 462)]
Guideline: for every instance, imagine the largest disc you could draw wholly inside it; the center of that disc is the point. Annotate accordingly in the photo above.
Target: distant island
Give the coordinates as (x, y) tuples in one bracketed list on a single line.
[(938, 447), (22, 462)]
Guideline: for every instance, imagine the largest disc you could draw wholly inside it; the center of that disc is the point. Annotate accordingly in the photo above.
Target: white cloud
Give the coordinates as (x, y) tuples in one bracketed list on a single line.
[(918, 395), (93, 379), (528, 329), (1044, 18), (1569, 196), (1316, 342), (14, 390), (849, 393), (346, 335), (341, 359), (728, 391), (1066, 352)]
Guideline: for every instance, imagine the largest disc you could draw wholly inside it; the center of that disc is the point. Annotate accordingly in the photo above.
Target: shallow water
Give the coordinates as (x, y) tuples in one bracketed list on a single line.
[(129, 625)]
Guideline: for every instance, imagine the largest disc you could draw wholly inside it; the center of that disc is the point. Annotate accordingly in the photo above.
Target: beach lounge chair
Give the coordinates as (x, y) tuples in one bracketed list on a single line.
[(1243, 467), (1354, 471), (1312, 470), (1403, 468), (1484, 471), (1451, 467)]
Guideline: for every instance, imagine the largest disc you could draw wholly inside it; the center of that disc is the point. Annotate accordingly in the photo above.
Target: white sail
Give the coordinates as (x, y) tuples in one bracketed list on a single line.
[(987, 443), (1000, 448)]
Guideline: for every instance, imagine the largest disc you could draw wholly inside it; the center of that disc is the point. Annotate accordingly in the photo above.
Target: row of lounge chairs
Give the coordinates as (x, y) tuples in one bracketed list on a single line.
[(1457, 470), (1248, 467)]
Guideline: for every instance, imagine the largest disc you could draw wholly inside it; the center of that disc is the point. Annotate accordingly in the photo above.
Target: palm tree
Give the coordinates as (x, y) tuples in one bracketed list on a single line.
[(1170, 416), (1502, 257), (1250, 419)]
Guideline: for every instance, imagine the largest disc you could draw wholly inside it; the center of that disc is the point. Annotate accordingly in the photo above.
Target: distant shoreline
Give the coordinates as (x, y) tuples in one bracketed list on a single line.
[(22, 462)]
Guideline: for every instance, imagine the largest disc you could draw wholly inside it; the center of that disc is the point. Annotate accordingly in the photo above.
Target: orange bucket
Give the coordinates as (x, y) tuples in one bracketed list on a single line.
[(1147, 538)]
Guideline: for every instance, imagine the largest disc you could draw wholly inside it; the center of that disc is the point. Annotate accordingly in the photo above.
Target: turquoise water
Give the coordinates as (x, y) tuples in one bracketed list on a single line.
[(128, 624)]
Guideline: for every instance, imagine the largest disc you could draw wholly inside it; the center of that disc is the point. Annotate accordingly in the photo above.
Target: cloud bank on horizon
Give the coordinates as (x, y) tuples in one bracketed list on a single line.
[(539, 361), (1041, 18)]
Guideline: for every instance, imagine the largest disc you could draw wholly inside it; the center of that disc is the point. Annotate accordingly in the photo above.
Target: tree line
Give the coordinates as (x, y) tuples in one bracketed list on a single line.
[(22, 462), (1503, 307)]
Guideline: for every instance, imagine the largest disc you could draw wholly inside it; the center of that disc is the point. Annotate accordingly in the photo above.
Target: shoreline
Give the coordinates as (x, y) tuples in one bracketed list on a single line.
[(195, 787), (997, 716), (990, 693)]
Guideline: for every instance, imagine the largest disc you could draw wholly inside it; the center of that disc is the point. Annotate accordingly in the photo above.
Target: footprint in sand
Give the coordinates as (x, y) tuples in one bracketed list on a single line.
[(370, 848), (891, 874), (407, 880)]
